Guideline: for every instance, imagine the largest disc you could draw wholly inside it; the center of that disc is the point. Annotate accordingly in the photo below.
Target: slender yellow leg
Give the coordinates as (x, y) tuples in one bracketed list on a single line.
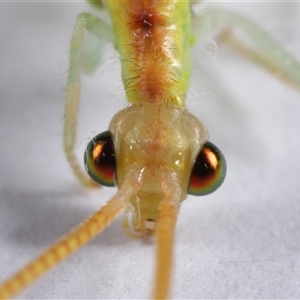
[(78, 59), (74, 240), (165, 227)]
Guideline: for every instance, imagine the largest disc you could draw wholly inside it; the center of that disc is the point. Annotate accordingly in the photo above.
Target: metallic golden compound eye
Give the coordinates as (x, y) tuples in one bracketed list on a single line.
[(99, 159), (208, 172)]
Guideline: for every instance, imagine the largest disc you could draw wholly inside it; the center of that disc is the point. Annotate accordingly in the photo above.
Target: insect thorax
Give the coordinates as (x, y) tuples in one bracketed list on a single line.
[(153, 39)]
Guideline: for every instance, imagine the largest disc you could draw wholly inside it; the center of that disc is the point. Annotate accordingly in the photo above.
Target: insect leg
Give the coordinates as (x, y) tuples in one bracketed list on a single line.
[(263, 50), (100, 30)]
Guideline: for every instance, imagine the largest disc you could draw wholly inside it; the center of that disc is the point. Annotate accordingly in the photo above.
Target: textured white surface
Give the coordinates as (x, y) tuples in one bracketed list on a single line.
[(240, 242)]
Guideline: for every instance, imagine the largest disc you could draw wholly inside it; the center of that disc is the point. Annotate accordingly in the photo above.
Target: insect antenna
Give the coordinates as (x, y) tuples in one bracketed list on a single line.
[(169, 209), (75, 239)]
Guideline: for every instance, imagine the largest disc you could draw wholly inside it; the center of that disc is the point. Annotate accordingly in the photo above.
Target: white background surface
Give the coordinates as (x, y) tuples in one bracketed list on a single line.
[(241, 242)]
